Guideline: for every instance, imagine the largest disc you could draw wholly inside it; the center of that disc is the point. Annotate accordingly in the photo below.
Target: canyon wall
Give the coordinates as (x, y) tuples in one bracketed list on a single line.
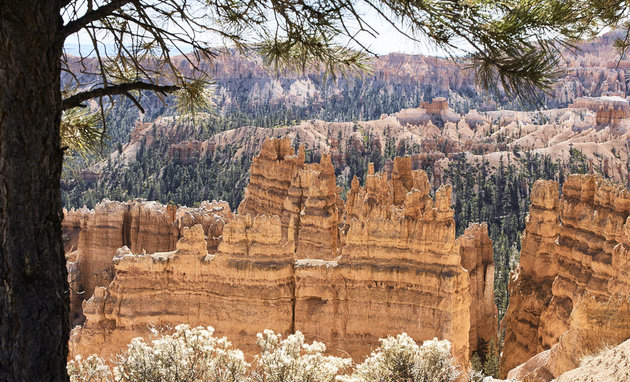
[(246, 287), (475, 248), (94, 236), (573, 248), (297, 257)]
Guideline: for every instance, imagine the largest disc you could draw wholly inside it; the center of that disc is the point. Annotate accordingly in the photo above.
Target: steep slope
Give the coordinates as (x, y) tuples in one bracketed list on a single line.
[(611, 364)]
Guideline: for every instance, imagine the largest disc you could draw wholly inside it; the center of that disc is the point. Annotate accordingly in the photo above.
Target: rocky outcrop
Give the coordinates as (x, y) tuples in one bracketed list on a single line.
[(530, 284), (572, 248), (475, 249), (399, 265), (94, 236), (611, 364), (594, 325), (297, 258), (313, 206), (241, 290), (608, 110), (185, 152), (271, 174)]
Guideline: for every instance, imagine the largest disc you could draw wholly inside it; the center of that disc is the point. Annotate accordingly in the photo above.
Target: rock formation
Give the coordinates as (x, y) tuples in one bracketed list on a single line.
[(594, 325), (297, 258), (530, 285), (94, 236), (185, 152), (572, 248), (475, 248), (399, 266), (608, 110), (243, 289), (609, 365)]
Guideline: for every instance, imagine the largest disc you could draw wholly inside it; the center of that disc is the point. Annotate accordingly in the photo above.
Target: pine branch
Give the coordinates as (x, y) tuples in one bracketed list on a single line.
[(91, 16), (121, 89)]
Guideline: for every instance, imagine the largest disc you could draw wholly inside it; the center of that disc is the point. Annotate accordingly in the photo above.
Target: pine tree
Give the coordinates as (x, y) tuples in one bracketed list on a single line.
[(475, 362), (491, 366)]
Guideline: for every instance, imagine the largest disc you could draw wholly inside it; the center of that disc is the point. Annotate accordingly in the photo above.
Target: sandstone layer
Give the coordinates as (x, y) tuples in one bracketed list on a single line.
[(297, 257), (594, 325), (475, 248), (573, 247), (94, 236), (240, 291), (609, 365)]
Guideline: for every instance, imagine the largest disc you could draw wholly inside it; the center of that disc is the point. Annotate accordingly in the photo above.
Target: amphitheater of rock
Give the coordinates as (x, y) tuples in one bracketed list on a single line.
[(294, 257)]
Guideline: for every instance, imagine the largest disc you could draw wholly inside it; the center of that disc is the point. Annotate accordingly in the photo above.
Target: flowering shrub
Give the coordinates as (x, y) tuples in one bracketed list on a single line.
[(435, 363), (195, 355), (189, 354), (91, 369), (292, 360), (400, 359)]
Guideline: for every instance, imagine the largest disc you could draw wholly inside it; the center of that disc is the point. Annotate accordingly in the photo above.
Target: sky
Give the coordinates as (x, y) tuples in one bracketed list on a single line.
[(389, 40)]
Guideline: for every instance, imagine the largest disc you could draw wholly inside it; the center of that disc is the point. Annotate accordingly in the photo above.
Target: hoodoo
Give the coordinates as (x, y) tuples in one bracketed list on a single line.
[(296, 257), (571, 290)]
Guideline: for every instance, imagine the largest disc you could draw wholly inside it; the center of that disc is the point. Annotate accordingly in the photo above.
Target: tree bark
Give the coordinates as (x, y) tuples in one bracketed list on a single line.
[(33, 283)]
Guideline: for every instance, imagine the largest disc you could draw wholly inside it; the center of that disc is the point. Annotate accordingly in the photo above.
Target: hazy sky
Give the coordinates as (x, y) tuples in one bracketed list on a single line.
[(388, 40)]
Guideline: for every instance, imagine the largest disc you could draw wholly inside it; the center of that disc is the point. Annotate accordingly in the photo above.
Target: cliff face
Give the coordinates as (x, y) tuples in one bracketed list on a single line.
[(297, 258), (94, 236), (475, 249), (530, 285), (243, 289), (573, 247), (399, 266), (595, 324)]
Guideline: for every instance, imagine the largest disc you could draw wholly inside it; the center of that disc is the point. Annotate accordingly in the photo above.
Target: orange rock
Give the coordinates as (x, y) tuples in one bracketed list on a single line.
[(243, 289), (594, 325), (297, 258), (572, 247), (475, 248), (144, 227)]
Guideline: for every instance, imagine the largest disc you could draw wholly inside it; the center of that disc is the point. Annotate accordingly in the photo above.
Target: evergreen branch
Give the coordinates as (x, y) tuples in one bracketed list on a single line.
[(90, 17), (120, 89)]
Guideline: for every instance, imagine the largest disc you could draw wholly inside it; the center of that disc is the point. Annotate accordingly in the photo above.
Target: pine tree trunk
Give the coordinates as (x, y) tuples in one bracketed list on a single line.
[(33, 284)]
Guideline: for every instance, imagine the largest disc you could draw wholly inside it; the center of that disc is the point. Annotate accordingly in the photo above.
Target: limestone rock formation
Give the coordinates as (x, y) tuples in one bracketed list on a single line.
[(94, 236), (530, 285), (243, 289), (272, 172), (609, 365), (399, 266), (185, 152), (297, 258), (475, 248), (312, 205), (573, 247), (594, 325)]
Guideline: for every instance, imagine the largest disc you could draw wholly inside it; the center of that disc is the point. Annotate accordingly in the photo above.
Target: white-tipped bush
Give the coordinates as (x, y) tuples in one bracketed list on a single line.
[(91, 369), (400, 359), (435, 363), (189, 354), (292, 360), (195, 355)]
